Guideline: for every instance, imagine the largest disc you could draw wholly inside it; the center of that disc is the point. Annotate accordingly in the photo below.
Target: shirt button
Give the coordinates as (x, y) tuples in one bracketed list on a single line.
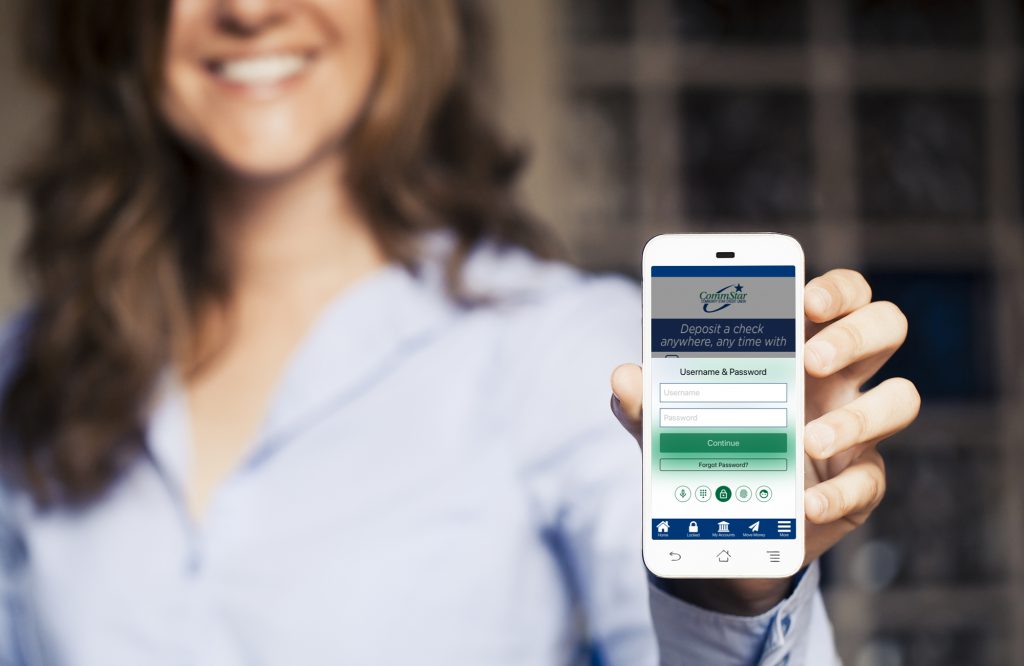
[(786, 621)]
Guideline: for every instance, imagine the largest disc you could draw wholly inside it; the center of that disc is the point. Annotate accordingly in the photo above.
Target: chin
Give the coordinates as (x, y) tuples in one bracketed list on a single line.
[(264, 161)]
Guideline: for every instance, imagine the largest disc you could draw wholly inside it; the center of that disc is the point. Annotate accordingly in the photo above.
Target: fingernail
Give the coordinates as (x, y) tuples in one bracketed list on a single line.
[(819, 504), (612, 382), (821, 353), (818, 299), (820, 437)]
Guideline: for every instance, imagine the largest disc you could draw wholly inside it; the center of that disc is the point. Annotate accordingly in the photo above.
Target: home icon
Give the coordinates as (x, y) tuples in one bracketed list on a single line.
[(723, 526), (724, 556), (663, 527)]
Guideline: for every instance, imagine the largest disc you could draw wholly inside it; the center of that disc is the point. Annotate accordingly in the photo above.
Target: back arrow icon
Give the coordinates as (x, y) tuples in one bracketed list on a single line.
[(675, 556)]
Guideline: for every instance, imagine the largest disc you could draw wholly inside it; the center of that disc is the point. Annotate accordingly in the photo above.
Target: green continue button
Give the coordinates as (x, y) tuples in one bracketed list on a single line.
[(723, 442)]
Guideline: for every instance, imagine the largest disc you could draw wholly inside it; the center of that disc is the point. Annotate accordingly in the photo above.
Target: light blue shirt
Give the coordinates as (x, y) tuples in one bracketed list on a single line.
[(430, 485)]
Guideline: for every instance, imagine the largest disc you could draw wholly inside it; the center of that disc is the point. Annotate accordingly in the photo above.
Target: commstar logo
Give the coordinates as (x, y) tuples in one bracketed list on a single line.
[(716, 301)]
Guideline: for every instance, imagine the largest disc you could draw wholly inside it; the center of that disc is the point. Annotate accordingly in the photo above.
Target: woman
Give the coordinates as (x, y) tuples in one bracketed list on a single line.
[(298, 385)]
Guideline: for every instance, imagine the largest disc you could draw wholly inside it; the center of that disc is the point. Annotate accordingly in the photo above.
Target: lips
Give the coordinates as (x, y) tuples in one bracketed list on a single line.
[(261, 70)]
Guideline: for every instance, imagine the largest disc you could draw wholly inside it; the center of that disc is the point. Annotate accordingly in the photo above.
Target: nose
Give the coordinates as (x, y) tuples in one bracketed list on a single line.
[(248, 16)]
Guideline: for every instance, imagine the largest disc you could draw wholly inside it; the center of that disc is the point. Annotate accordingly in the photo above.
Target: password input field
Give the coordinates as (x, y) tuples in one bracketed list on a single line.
[(723, 418), (722, 392)]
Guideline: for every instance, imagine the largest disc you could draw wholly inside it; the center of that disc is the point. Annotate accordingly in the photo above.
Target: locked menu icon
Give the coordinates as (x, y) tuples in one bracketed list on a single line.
[(693, 526)]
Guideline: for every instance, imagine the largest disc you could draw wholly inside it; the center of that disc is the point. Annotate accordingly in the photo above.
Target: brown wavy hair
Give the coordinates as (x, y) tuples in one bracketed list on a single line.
[(119, 254)]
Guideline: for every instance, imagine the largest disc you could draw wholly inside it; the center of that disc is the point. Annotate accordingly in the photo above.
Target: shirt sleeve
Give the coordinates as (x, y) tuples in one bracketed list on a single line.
[(795, 631), (584, 475)]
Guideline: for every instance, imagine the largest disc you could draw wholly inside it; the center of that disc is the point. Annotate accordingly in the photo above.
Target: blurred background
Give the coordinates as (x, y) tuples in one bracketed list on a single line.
[(886, 135)]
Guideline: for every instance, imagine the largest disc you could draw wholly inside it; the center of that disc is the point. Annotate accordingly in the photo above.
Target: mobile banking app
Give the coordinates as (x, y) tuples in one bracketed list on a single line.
[(724, 411)]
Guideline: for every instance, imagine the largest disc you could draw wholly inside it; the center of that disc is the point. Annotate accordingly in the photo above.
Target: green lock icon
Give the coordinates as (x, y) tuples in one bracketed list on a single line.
[(723, 493)]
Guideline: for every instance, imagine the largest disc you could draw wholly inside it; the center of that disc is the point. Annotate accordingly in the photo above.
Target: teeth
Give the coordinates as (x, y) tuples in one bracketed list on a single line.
[(261, 70)]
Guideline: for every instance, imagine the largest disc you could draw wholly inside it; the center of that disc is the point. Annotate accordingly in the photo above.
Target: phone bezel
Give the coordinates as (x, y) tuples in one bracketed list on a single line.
[(747, 558)]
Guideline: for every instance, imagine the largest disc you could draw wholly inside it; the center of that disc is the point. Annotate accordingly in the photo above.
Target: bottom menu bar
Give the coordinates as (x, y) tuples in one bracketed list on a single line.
[(723, 528)]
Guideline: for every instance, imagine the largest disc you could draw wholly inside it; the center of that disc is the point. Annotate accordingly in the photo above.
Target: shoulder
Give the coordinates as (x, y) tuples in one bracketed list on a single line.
[(551, 302), (557, 334)]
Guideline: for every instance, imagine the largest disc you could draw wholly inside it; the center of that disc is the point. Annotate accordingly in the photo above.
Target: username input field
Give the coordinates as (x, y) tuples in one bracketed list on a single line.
[(723, 418), (721, 392)]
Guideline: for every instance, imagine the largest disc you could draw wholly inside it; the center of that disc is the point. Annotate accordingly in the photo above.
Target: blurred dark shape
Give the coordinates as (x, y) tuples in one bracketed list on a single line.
[(927, 648), (1018, 100), (747, 154), (603, 155), (600, 20), (926, 499), (922, 156), (942, 23), (948, 352), (740, 21)]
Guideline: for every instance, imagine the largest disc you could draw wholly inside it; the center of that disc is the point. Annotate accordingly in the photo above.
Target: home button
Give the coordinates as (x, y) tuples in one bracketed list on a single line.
[(723, 556)]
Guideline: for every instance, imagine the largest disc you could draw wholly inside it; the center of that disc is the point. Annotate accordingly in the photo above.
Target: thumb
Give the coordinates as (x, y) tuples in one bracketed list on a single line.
[(627, 397)]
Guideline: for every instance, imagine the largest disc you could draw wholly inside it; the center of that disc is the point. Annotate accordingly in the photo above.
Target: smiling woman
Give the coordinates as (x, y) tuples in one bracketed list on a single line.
[(168, 112), (297, 385)]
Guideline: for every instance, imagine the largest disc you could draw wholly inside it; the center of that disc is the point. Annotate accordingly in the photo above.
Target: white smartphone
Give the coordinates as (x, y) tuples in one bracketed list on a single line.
[(723, 458)]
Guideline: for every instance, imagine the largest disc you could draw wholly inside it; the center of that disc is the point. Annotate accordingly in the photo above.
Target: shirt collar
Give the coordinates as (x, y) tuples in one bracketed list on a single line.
[(361, 333)]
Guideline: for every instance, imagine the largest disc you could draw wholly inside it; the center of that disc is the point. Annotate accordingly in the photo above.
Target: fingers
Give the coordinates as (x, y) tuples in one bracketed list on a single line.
[(628, 396), (888, 408), (852, 494), (835, 294), (875, 328)]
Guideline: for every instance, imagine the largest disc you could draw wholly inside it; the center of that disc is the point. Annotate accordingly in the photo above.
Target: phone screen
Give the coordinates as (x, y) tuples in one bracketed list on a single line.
[(725, 407)]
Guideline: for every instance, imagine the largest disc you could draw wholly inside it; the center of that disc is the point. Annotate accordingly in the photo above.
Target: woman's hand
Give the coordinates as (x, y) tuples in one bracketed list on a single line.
[(849, 339)]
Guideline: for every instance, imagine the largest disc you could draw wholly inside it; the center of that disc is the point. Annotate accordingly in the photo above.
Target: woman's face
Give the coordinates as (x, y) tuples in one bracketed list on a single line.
[(265, 87)]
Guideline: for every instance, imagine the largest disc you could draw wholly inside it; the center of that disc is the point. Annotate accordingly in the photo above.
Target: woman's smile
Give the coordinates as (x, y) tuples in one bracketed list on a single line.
[(261, 74), (263, 89)]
